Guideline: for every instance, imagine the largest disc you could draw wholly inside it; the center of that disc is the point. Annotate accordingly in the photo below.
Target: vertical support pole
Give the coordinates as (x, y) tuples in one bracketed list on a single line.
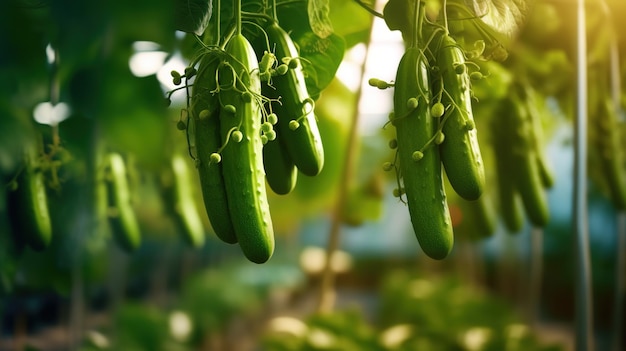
[(584, 314)]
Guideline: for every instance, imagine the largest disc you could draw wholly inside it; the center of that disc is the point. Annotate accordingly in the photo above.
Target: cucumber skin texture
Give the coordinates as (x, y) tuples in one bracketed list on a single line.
[(124, 226), (305, 143), (208, 140), (280, 170), (422, 180), (242, 163), (185, 210), (460, 152), (28, 210)]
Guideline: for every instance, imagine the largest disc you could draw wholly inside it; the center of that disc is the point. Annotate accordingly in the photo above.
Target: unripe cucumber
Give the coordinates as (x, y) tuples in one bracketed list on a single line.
[(242, 162), (124, 225), (460, 153), (527, 175), (184, 206), (304, 143), (205, 112), (422, 179), (280, 171), (28, 208), (545, 170)]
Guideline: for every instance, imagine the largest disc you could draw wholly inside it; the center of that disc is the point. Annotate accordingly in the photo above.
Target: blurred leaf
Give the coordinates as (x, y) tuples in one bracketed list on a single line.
[(141, 328), (319, 20), (503, 16), (192, 16)]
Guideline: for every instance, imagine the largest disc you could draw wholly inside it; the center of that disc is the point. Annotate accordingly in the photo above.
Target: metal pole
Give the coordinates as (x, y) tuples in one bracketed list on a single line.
[(584, 315)]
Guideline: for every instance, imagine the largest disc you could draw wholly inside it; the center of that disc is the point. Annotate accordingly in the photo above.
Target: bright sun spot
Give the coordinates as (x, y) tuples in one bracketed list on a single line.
[(147, 63)]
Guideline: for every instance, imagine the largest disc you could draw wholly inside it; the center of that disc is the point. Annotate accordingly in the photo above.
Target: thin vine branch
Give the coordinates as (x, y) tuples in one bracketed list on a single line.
[(326, 298), (367, 8)]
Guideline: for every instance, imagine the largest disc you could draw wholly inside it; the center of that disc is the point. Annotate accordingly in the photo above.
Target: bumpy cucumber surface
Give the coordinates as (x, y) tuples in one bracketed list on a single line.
[(422, 179), (304, 144), (460, 152), (205, 110), (124, 225), (242, 162), (28, 209)]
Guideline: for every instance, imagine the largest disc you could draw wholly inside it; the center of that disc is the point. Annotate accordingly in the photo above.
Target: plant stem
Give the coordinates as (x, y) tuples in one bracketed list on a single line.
[(237, 9), (583, 320), (326, 298)]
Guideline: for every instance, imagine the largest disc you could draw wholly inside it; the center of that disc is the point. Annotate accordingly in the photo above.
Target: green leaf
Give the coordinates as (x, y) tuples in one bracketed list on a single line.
[(322, 57), (319, 17), (503, 16), (192, 16)]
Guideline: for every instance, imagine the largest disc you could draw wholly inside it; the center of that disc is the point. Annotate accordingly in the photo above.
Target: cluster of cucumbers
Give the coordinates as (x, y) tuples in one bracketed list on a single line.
[(435, 131), (524, 174), (436, 134), (252, 123)]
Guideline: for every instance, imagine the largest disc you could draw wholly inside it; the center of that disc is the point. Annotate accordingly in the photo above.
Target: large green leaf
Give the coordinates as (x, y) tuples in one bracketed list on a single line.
[(322, 58), (503, 16), (192, 16)]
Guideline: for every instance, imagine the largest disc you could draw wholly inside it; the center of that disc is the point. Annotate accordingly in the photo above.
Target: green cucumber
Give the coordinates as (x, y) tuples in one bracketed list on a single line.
[(28, 207), (422, 179), (242, 162), (205, 112), (460, 152), (280, 170), (124, 225), (304, 143), (183, 205)]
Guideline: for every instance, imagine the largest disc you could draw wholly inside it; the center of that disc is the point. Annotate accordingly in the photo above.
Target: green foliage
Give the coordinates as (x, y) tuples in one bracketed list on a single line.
[(212, 298), (444, 314), (414, 313)]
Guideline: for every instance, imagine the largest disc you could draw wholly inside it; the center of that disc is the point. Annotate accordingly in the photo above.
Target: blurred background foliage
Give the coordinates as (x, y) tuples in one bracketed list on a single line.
[(167, 296)]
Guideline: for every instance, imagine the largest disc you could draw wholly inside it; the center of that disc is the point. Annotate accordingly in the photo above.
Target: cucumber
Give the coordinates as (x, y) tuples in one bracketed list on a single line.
[(28, 208), (280, 170), (182, 203), (302, 139), (422, 179), (122, 219), (205, 111), (460, 152), (242, 162), (527, 174)]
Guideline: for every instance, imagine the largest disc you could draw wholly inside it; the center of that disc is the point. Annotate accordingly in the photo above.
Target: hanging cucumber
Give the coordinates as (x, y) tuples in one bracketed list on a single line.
[(527, 175), (180, 199), (280, 170), (460, 152), (122, 219), (205, 114), (419, 162), (28, 207), (242, 156), (297, 123)]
